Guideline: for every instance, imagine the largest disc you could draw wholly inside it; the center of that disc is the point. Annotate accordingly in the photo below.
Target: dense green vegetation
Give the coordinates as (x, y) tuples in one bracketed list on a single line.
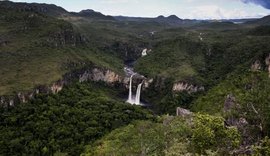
[(170, 136), (260, 31), (251, 92), (179, 59), (164, 101), (37, 50), (65, 122), (38, 47), (208, 63)]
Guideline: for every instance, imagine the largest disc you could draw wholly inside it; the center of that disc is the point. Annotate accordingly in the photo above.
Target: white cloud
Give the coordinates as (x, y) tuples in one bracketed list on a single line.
[(117, 1), (216, 12), (193, 9)]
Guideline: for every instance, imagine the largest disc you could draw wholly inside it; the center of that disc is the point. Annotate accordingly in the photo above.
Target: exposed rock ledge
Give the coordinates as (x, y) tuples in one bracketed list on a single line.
[(257, 65), (90, 74), (267, 62), (183, 112), (96, 74), (182, 86)]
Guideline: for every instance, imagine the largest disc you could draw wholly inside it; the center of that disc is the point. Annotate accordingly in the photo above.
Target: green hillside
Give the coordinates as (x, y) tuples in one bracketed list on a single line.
[(180, 58), (214, 75), (169, 136), (37, 49), (66, 122)]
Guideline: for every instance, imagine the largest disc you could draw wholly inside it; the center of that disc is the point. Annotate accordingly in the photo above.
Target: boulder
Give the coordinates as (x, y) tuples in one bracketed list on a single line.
[(183, 112), (229, 103), (256, 66)]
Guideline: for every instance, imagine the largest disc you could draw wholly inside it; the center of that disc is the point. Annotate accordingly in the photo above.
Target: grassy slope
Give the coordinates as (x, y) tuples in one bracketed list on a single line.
[(235, 60), (184, 58), (178, 58), (214, 99), (29, 59), (178, 53)]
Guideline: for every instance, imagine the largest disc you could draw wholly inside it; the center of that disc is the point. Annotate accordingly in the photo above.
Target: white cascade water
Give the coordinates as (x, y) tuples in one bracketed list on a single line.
[(130, 100), (138, 94)]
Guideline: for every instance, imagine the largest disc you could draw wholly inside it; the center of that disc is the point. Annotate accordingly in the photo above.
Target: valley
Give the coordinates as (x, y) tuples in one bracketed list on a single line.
[(85, 83)]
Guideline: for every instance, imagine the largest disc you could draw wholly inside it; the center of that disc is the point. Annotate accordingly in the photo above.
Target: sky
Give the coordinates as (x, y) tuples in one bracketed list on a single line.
[(186, 9)]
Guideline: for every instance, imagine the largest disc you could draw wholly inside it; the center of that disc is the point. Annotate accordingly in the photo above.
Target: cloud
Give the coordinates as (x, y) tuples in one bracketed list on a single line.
[(217, 12), (116, 1), (263, 3)]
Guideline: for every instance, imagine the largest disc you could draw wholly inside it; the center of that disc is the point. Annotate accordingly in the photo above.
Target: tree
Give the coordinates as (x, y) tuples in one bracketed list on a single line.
[(209, 133)]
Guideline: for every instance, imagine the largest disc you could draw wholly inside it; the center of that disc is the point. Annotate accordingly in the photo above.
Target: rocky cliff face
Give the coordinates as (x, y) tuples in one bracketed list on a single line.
[(147, 83), (190, 88), (257, 65), (128, 51), (66, 36), (267, 62), (231, 108), (183, 112), (57, 87), (88, 74), (97, 74)]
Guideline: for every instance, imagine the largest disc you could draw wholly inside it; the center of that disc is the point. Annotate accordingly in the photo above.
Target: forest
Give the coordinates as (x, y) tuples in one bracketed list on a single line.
[(203, 86)]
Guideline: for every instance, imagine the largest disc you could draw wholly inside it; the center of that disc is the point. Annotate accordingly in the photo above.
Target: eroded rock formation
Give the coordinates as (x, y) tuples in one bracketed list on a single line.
[(183, 86), (57, 87), (230, 103), (183, 112), (92, 74), (97, 74), (267, 62), (256, 66)]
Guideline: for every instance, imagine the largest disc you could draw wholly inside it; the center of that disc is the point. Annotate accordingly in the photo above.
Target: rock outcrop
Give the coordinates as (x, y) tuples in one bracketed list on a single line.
[(90, 74), (148, 82), (183, 112), (97, 74), (145, 52), (182, 86), (267, 62), (57, 87), (256, 66), (239, 121), (230, 103), (127, 50)]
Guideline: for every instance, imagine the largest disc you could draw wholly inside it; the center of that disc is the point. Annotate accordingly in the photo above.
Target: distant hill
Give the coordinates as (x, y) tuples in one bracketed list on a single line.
[(89, 13), (174, 17), (37, 48), (48, 9), (170, 20), (52, 10), (216, 25), (262, 21), (239, 21)]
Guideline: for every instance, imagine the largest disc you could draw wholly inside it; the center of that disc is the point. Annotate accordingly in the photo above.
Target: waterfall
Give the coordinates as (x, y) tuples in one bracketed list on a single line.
[(130, 100), (138, 94)]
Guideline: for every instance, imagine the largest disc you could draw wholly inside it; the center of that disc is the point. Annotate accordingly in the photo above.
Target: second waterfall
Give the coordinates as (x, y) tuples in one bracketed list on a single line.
[(137, 98)]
